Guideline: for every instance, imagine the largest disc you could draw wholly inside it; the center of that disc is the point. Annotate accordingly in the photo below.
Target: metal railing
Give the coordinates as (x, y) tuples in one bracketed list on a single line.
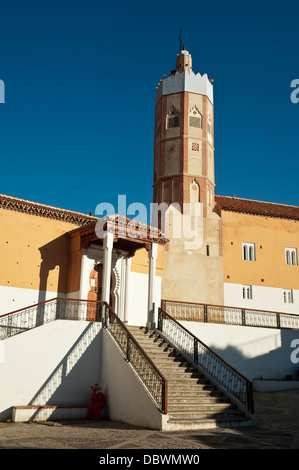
[(224, 374), (39, 314), (188, 311), (147, 371)]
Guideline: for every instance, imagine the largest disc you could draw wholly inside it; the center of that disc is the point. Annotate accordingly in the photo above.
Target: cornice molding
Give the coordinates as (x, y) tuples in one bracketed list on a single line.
[(42, 210)]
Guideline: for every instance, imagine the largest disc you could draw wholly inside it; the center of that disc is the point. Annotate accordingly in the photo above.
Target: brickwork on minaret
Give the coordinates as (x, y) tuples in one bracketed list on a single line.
[(184, 141)]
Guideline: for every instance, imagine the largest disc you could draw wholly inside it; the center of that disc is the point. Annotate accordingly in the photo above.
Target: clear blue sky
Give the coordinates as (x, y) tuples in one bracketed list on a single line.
[(77, 126)]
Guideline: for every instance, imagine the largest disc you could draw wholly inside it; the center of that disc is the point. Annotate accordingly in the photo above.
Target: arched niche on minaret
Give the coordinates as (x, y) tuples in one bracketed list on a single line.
[(172, 118), (175, 191), (195, 118), (194, 192), (210, 128)]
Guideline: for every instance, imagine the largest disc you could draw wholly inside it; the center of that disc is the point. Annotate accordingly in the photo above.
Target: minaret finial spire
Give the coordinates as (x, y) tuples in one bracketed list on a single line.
[(180, 39)]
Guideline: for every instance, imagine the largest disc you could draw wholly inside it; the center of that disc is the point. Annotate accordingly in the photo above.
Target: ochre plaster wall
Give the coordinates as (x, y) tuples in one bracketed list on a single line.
[(34, 252), (140, 262), (75, 261), (271, 236)]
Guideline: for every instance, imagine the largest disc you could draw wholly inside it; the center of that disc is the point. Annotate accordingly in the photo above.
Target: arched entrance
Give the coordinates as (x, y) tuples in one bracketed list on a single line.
[(95, 291)]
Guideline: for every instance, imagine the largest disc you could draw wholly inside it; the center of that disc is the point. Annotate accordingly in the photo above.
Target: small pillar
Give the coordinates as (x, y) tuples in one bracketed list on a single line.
[(107, 262), (127, 290), (151, 316)]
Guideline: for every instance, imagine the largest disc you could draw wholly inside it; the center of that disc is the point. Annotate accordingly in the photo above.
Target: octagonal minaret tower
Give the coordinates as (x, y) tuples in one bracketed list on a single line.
[(184, 173), (184, 137)]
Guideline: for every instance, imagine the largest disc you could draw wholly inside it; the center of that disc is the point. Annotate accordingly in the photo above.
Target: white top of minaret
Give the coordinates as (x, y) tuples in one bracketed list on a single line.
[(184, 79)]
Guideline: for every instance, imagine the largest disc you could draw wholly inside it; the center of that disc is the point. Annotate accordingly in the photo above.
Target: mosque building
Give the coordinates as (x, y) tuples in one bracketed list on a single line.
[(245, 254)]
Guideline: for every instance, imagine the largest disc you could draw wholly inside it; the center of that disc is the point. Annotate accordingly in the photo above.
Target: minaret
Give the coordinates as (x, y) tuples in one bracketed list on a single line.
[(184, 173), (184, 137)]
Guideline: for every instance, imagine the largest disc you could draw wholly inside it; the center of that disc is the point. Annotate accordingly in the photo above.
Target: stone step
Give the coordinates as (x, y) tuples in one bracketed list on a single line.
[(196, 414), (197, 400), (194, 388), (174, 360), (164, 355), (155, 347), (160, 350), (154, 343), (196, 394), (177, 380), (201, 407), (178, 368), (183, 373), (207, 423), (147, 339)]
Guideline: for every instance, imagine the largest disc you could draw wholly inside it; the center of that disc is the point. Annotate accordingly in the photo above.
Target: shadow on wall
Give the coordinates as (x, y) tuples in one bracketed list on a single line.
[(268, 357), (70, 381), (55, 256)]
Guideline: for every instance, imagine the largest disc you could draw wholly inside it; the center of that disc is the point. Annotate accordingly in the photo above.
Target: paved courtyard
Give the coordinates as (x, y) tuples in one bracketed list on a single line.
[(277, 428)]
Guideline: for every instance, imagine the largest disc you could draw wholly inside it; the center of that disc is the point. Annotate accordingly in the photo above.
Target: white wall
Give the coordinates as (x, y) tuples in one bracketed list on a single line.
[(126, 397), (53, 364), (15, 298), (138, 298), (253, 351), (263, 298)]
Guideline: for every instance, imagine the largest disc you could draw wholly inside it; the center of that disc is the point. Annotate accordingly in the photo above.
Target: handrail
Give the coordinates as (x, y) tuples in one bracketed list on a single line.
[(28, 307), (47, 301), (225, 374), (148, 372), (58, 308), (223, 314), (227, 306)]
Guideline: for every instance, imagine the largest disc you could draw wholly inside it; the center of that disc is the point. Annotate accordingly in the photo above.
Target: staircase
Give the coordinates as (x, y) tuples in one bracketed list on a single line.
[(193, 401)]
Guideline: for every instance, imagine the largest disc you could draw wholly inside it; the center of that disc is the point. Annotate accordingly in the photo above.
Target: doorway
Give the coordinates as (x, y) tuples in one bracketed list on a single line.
[(95, 291)]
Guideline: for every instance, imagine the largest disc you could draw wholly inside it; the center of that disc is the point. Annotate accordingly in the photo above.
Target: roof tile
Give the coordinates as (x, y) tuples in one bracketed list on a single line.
[(249, 206)]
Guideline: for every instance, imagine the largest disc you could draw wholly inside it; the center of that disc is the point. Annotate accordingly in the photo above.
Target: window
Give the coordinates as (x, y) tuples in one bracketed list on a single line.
[(165, 194), (248, 251), (247, 292), (291, 256), (288, 296), (173, 121), (195, 117), (175, 191), (209, 124), (195, 121)]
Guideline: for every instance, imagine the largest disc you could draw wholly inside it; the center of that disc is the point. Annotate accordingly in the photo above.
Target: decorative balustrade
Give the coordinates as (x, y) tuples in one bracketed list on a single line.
[(224, 374), (39, 314), (149, 374), (187, 311)]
